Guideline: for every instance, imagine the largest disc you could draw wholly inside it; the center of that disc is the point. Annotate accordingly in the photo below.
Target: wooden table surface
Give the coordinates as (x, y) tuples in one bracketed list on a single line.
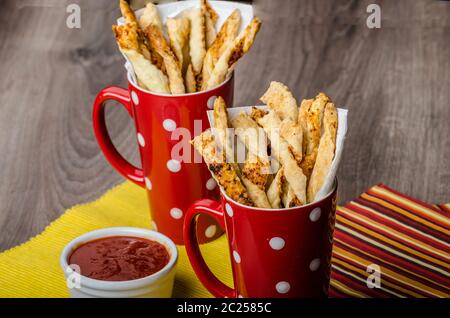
[(395, 81)]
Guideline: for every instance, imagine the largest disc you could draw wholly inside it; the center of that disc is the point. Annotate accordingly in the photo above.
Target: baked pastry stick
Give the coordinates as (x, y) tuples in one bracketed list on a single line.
[(311, 114), (150, 16), (293, 134), (288, 196), (279, 98), (254, 176), (224, 39), (178, 30), (148, 74), (325, 152), (302, 114), (251, 135), (221, 130), (254, 171), (210, 31), (257, 195), (281, 191), (131, 21), (159, 43), (255, 141), (280, 149), (144, 48), (290, 132), (189, 80), (233, 53), (197, 40), (127, 12), (275, 190), (223, 172), (212, 13)]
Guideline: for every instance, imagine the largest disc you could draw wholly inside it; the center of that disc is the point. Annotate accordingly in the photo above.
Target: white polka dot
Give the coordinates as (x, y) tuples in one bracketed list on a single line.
[(237, 257), (135, 98), (314, 216), (154, 226), (314, 265), (210, 231), (211, 184), (282, 287), (240, 296), (176, 213), (141, 140), (173, 165), (211, 101), (148, 183), (169, 124), (277, 243), (229, 210)]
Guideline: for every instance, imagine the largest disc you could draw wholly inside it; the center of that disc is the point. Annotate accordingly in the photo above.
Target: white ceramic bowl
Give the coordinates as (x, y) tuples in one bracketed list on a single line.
[(157, 285)]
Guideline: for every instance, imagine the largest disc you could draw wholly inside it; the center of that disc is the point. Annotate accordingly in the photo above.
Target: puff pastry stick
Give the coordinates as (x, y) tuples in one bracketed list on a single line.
[(257, 195), (290, 132), (279, 98), (275, 190), (210, 31), (233, 53), (144, 48), (197, 41), (159, 43), (212, 13), (223, 172), (147, 73), (251, 135), (325, 152), (293, 134), (312, 113), (150, 16), (127, 12), (189, 80), (221, 126), (132, 25), (224, 39), (288, 197), (254, 172), (280, 149), (178, 30)]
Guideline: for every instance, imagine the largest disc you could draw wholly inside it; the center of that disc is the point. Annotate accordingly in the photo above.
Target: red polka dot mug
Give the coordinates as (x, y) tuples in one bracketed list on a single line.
[(274, 252), (172, 185)]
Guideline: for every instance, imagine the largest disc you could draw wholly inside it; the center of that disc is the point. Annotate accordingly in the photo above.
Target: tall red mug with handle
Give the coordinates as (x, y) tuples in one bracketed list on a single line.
[(171, 185), (274, 252)]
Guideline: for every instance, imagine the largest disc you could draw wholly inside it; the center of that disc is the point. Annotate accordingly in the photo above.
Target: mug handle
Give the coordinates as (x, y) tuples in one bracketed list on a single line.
[(125, 168), (208, 279)]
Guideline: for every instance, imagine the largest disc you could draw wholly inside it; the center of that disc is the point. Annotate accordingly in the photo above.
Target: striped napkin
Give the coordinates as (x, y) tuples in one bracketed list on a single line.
[(401, 240)]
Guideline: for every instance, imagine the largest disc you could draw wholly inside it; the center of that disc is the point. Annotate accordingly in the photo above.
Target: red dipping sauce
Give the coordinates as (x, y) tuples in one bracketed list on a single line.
[(120, 258)]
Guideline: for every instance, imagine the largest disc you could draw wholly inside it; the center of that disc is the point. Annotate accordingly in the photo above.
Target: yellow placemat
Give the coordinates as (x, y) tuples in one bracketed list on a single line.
[(32, 269)]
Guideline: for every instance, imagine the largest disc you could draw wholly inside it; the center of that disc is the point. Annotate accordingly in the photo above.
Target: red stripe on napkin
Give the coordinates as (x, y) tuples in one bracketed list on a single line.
[(406, 238)]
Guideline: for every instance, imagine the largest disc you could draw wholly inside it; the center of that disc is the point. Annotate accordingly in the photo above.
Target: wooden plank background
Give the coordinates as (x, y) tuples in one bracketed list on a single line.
[(395, 81)]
